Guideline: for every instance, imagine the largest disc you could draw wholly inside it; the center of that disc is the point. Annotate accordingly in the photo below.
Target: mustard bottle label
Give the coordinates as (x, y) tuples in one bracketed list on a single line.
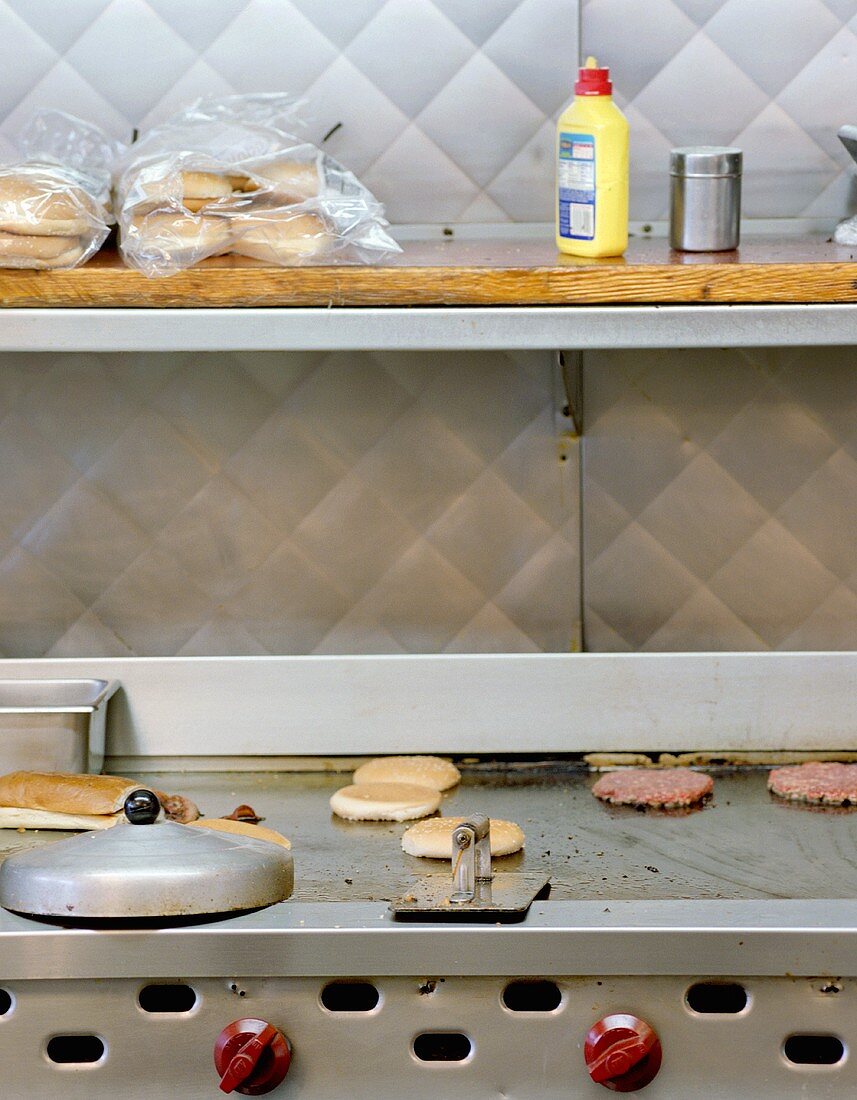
[(576, 186)]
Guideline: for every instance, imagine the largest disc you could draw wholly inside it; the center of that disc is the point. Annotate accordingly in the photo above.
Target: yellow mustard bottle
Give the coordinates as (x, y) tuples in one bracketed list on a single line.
[(592, 169)]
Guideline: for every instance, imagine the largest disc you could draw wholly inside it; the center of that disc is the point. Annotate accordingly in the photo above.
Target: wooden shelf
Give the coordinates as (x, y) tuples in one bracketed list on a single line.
[(466, 272)]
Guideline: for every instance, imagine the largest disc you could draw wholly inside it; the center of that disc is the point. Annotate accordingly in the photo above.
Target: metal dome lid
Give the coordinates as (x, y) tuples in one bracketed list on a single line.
[(144, 868)]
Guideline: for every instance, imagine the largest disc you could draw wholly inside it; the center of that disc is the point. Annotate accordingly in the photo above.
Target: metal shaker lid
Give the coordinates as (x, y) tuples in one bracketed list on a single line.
[(146, 868), (705, 160)]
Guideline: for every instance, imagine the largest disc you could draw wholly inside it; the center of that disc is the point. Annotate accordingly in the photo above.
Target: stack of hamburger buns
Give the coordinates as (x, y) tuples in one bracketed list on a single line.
[(228, 175), (46, 219), (195, 215), (55, 198)]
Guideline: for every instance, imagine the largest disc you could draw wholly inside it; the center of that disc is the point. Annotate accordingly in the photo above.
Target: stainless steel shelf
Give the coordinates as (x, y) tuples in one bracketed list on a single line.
[(427, 328)]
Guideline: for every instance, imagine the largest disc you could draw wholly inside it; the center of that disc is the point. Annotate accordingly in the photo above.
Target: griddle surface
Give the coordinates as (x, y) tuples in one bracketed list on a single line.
[(742, 844)]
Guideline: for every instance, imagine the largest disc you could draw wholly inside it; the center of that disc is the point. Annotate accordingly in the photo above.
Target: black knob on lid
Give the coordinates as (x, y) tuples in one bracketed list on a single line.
[(142, 807)]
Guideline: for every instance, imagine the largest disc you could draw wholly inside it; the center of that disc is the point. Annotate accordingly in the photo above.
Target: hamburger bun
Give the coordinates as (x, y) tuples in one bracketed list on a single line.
[(241, 828), (41, 205), (432, 839), (59, 792), (205, 186), (243, 183), (13, 817), (196, 190), (384, 802), (280, 237), (288, 180), (23, 250), (427, 771), (184, 237), (195, 205)]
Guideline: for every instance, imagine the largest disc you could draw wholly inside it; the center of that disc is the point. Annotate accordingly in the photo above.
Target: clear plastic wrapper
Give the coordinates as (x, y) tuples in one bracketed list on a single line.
[(846, 232), (231, 175), (55, 200)]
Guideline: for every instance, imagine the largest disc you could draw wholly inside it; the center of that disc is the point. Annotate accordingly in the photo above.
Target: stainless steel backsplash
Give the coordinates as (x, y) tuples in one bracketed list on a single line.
[(353, 503), (405, 89), (285, 503), (720, 500), (446, 107)]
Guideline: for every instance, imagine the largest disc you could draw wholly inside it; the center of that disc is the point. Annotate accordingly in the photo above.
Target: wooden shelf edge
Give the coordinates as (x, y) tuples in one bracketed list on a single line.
[(463, 277)]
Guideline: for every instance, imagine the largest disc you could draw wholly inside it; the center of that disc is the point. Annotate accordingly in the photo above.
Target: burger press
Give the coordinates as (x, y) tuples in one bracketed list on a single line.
[(476, 891), (145, 868)]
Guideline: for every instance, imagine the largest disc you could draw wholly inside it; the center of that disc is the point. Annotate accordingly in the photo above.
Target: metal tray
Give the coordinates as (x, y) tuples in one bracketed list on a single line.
[(53, 725)]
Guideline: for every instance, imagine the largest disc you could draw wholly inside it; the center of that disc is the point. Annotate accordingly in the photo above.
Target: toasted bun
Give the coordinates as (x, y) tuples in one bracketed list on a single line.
[(384, 802), (66, 794), (179, 234), (278, 237), (291, 180), (241, 828), (13, 818), (433, 838), (19, 250), (42, 206), (427, 771)]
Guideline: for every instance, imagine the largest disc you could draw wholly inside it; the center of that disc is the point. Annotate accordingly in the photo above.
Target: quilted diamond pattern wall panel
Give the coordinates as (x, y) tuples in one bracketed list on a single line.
[(775, 77), (444, 107), (720, 500), (271, 503)]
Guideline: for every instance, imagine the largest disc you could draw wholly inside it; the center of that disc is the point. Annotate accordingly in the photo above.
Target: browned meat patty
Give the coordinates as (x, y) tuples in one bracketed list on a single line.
[(816, 782), (667, 789), (178, 808)]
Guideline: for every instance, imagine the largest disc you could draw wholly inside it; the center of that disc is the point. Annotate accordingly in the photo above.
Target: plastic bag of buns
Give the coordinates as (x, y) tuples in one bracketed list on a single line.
[(230, 176), (55, 199)]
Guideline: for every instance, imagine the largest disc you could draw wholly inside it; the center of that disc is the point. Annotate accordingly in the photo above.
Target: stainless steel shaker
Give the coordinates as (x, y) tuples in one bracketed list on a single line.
[(705, 198)]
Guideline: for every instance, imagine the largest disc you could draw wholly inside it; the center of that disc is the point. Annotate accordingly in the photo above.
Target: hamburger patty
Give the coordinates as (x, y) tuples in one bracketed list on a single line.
[(667, 789), (816, 782)]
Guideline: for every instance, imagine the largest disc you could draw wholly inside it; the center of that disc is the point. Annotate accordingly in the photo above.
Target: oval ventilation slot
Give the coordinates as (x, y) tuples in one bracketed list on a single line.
[(5, 1002), (167, 998), (814, 1050), (442, 1046), (717, 998), (75, 1050), (350, 997), (532, 996)]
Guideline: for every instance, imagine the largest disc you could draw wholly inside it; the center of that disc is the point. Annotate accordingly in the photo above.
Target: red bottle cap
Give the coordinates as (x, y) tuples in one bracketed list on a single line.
[(593, 81)]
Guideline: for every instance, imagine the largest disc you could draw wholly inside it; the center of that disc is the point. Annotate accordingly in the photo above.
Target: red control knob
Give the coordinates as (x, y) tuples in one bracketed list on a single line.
[(251, 1057), (622, 1053)]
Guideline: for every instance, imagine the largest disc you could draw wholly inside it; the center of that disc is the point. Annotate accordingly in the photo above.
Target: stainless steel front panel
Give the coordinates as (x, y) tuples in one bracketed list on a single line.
[(369, 1055)]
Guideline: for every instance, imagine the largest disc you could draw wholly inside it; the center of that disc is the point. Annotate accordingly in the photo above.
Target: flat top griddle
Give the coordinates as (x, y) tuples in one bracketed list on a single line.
[(743, 844)]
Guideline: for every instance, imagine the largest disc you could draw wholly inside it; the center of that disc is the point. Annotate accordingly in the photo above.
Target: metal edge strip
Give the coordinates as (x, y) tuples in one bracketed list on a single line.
[(708, 938), (427, 329)]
